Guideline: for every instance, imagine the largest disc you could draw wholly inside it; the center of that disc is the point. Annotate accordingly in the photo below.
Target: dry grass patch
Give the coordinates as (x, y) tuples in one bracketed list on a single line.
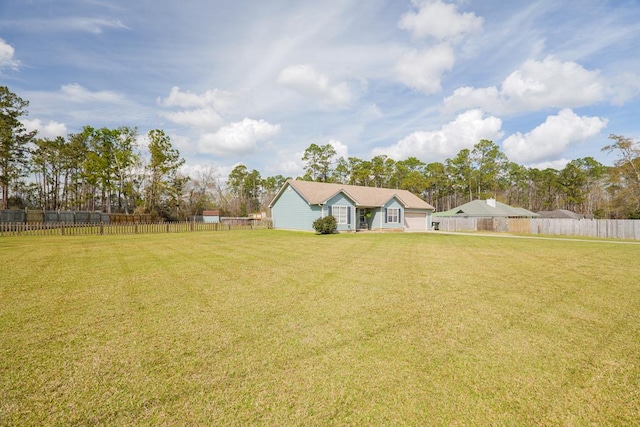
[(283, 328)]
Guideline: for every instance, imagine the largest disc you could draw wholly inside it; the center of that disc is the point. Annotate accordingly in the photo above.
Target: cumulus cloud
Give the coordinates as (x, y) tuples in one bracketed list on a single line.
[(237, 138), (463, 132), (551, 164), (551, 138), (439, 20), (199, 170), (307, 81), (219, 100), (423, 70), (341, 149), (204, 111), (536, 85), (78, 94), (202, 118), (45, 130), (6, 56)]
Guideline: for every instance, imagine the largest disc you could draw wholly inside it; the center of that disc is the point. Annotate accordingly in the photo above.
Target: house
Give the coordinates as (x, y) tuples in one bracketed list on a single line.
[(489, 208), (298, 203)]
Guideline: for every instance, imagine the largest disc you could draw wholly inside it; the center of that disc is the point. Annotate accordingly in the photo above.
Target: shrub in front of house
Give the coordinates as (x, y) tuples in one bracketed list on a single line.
[(326, 225)]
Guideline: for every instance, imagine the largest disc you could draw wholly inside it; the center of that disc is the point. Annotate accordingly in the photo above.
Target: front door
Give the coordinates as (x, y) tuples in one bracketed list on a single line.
[(362, 220)]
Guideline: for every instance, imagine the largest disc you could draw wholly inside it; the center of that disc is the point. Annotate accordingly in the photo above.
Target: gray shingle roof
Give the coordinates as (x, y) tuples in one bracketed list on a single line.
[(560, 213), (316, 193), (482, 208)]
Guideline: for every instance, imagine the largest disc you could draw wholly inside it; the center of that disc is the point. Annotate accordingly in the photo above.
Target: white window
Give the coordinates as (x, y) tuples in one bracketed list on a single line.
[(393, 215), (341, 214)]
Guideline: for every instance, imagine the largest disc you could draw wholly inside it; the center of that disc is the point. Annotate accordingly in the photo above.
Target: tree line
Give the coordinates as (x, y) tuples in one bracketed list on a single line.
[(107, 170), (584, 186)]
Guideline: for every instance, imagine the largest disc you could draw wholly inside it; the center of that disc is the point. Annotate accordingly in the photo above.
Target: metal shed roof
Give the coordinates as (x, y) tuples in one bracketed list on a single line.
[(487, 208)]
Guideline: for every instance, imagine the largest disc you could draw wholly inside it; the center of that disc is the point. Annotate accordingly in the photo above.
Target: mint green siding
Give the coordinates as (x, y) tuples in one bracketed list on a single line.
[(341, 200), (292, 212), (379, 216)]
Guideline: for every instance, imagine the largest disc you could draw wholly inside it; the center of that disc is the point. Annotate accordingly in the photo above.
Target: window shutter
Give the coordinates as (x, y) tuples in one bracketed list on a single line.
[(386, 215), (349, 215), (328, 210), (400, 215)]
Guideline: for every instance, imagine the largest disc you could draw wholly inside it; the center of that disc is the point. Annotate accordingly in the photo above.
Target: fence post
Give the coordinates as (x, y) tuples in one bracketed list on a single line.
[(102, 228)]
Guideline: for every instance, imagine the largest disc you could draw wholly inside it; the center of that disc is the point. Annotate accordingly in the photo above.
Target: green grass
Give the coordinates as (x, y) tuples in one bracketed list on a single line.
[(283, 328)]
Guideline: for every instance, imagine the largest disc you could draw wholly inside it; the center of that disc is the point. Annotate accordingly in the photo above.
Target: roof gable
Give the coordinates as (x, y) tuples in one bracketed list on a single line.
[(282, 190)]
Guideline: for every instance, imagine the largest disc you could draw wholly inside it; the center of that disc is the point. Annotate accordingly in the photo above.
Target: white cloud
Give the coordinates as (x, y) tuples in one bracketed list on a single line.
[(49, 130), (76, 93), (307, 81), (463, 132), (237, 138), (341, 149), (199, 170), (552, 164), (202, 118), (536, 85), (423, 70), (203, 111), (289, 165), (6, 56), (439, 20), (552, 137), (219, 100)]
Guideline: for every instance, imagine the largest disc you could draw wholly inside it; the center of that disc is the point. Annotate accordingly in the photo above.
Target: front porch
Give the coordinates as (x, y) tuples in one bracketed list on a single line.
[(364, 219)]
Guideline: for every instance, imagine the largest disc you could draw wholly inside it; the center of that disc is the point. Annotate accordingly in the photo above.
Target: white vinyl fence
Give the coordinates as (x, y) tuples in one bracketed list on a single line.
[(605, 228)]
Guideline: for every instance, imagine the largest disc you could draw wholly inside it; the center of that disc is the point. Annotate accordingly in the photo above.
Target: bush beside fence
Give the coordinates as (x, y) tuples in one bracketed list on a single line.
[(601, 228), (64, 229)]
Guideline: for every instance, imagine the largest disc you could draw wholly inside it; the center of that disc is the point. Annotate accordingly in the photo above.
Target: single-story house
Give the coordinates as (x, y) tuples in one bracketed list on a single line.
[(299, 203), (489, 208)]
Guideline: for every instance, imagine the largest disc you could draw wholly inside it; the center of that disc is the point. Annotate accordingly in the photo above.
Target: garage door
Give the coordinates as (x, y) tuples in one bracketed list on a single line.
[(415, 221)]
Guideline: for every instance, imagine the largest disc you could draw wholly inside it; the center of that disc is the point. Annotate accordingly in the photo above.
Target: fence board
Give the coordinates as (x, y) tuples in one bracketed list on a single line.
[(119, 228), (601, 228)]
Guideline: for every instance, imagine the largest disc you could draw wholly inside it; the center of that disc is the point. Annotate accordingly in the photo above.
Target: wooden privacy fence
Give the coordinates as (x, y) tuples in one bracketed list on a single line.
[(69, 217), (603, 228), (63, 229)]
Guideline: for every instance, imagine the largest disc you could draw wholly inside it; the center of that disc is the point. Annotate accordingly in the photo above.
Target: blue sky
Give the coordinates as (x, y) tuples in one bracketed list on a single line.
[(257, 82)]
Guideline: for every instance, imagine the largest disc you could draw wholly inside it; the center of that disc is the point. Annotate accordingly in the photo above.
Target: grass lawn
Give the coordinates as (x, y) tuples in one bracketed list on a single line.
[(284, 328)]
